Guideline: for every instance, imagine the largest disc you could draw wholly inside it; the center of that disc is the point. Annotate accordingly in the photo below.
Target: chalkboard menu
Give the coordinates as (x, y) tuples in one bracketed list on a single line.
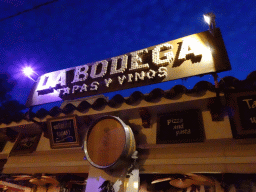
[(247, 110), (63, 132), (242, 113), (180, 127)]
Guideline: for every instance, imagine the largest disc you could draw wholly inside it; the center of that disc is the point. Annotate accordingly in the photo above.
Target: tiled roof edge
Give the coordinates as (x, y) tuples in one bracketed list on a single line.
[(227, 83)]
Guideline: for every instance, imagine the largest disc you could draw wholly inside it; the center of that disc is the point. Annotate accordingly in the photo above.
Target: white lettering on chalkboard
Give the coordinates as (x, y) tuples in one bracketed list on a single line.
[(181, 126), (62, 125), (169, 121), (253, 119), (63, 133), (183, 132)]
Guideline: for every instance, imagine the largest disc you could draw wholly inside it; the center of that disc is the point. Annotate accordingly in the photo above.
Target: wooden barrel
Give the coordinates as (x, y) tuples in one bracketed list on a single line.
[(109, 143)]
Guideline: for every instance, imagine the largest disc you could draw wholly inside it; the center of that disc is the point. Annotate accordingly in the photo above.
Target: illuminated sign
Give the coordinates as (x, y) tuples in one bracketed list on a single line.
[(196, 54)]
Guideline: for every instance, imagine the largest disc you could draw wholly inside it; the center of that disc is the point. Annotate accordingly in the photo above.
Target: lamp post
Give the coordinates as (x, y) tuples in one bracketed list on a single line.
[(210, 20), (216, 107), (31, 74)]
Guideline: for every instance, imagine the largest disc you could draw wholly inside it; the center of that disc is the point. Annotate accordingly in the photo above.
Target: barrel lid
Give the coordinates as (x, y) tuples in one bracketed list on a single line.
[(105, 141)]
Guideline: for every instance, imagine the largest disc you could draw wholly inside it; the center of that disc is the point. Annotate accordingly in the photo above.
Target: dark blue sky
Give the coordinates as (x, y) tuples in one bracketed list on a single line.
[(64, 33)]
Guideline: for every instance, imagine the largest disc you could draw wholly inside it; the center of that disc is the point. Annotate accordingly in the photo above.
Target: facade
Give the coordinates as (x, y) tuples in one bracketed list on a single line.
[(179, 139), (217, 151)]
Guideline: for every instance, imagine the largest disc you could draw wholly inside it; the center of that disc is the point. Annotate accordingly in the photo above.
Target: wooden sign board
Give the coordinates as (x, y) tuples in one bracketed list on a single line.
[(63, 132), (180, 127), (242, 113)]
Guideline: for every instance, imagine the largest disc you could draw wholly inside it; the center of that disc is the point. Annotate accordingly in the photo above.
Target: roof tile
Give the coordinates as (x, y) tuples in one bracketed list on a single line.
[(226, 84)]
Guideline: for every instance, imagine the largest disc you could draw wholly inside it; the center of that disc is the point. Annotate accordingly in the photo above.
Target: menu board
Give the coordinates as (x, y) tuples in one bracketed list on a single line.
[(180, 127), (242, 113), (247, 111), (63, 132)]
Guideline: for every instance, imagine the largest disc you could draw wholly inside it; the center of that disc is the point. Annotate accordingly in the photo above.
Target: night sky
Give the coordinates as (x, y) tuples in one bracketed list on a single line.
[(55, 35)]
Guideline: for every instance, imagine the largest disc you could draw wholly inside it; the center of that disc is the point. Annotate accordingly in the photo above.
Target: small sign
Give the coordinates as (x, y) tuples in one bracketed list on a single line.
[(180, 127), (63, 132), (25, 144), (242, 113)]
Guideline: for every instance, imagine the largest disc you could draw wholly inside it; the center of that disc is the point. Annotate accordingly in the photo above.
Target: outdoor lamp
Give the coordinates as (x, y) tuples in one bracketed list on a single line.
[(210, 20), (30, 73)]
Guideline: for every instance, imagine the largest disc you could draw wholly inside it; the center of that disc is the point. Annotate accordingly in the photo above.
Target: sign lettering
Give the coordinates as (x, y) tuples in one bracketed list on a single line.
[(176, 59), (63, 131)]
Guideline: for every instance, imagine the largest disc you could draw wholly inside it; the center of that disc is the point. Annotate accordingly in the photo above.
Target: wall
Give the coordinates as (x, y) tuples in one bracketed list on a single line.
[(218, 153)]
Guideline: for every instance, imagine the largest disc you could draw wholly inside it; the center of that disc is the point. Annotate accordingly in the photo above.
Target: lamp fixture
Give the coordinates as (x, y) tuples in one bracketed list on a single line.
[(210, 20), (30, 73)]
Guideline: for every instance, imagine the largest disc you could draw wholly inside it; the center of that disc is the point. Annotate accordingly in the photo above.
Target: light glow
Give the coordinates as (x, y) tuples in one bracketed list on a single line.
[(30, 73), (207, 19), (136, 185)]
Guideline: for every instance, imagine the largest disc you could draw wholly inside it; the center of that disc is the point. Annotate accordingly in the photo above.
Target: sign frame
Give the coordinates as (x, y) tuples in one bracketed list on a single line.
[(68, 137), (29, 141), (183, 127), (239, 126)]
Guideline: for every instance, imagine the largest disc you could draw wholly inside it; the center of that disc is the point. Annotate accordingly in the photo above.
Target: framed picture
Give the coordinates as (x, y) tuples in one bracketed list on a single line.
[(242, 113), (63, 132), (25, 143), (180, 127)]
